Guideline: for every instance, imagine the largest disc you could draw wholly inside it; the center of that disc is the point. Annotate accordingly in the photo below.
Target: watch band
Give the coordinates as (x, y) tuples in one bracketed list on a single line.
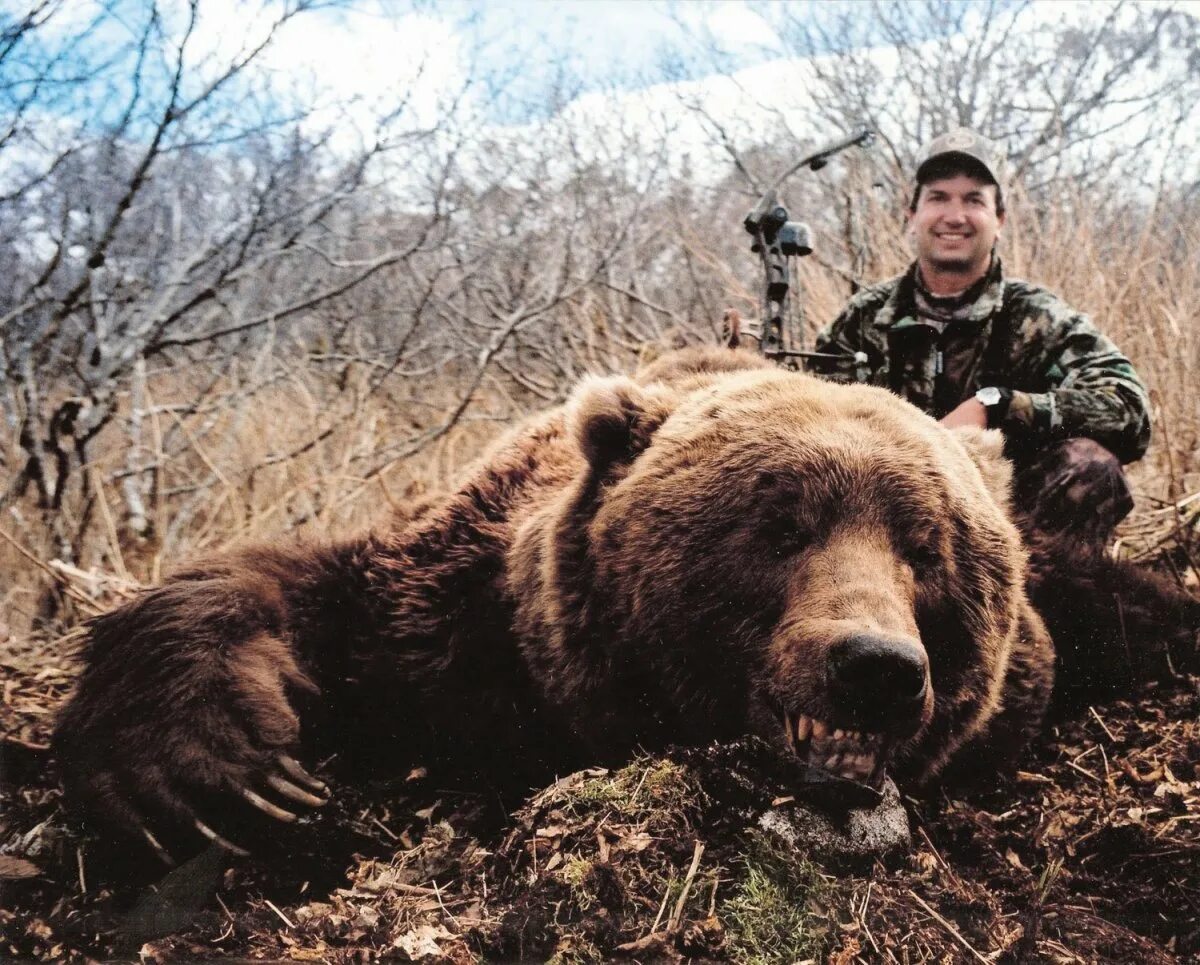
[(996, 401)]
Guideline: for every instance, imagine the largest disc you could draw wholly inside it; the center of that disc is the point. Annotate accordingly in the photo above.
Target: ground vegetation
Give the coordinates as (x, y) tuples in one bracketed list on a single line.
[(242, 328)]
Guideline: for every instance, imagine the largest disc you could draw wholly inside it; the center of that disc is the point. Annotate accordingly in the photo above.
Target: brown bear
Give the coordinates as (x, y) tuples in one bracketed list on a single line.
[(714, 549)]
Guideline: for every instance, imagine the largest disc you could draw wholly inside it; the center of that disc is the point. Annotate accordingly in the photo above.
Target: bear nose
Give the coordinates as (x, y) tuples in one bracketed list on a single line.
[(880, 679)]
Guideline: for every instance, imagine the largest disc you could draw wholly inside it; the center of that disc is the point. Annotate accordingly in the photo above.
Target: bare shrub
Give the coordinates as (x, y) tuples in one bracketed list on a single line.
[(221, 323)]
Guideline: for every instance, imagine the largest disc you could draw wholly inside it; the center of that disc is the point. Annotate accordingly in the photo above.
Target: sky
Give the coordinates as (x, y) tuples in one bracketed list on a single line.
[(526, 46), (523, 61), (599, 44), (371, 51)]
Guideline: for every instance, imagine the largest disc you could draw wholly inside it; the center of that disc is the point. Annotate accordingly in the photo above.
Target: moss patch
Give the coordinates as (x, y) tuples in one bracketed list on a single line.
[(774, 914)]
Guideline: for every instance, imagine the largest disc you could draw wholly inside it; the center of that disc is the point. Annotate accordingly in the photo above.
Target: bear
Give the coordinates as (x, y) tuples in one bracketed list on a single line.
[(713, 548)]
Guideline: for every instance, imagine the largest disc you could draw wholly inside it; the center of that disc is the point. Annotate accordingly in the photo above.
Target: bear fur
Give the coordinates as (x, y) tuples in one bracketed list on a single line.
[(676, 558)]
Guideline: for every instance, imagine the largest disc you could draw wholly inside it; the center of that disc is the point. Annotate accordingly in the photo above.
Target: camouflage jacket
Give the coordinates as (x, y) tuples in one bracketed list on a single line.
[(1067, 379)]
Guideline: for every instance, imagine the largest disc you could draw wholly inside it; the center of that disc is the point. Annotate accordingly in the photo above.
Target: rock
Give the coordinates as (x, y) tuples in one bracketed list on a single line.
[(848, 839)]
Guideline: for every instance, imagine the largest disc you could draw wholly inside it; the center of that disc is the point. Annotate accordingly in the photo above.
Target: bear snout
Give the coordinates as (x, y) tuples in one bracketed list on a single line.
[(881, 681)]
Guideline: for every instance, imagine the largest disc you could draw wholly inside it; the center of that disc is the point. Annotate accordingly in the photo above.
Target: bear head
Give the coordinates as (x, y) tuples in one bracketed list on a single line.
[(760, 551)]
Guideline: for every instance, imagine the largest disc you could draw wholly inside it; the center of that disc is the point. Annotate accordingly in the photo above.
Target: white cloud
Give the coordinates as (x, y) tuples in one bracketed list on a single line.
[(736, 25), (355, 64), (375, 60)]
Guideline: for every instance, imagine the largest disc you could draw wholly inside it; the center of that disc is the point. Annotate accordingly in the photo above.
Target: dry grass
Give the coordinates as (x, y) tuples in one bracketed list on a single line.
[(286, 443), (292, 456)]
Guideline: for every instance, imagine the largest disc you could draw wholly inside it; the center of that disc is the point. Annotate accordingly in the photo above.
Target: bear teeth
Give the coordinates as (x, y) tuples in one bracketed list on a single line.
[(849, 754), (857, 767), (804, 728)]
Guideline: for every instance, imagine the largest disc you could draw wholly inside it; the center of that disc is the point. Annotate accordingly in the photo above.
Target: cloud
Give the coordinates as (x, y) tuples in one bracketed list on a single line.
[(736, 26), (354, 64)]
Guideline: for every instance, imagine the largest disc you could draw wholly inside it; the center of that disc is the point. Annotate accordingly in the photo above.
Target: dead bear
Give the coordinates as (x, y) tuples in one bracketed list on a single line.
[(713, 549)]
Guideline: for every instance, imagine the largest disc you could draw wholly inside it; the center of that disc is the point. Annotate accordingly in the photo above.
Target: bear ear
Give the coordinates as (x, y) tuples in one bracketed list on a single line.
[(986, 449), (613, 419)]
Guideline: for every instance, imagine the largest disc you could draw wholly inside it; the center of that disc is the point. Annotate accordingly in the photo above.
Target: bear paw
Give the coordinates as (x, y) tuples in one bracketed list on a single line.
[(201, 741)]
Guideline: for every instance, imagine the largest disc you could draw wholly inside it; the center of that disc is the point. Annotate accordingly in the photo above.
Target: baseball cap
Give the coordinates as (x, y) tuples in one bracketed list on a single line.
[(968, 144)]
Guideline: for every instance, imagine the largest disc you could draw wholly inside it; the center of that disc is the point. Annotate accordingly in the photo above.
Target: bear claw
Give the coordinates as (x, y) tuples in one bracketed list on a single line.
[(293, 769), (294, 793), (266, 806), (159, 850), (212, 835)]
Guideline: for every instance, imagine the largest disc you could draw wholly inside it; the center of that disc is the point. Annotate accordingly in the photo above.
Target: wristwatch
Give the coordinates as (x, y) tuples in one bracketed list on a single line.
[(996, 401)]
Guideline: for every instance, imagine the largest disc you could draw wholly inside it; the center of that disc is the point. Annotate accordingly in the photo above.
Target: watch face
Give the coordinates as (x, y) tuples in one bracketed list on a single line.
[(989, 395)]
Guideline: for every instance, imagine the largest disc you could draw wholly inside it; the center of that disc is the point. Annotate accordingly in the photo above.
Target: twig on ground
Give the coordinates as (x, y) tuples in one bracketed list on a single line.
[(417, 890), (647, 943), (1103, 726), (1084, 771), (287, 921), (441, 904), (937, 854), (862, 917), (953, 932), (661, 908), (73, 593), (677, 914), (386, 830)]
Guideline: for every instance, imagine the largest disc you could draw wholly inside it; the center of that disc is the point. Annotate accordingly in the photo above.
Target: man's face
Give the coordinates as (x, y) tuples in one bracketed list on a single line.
[(955, 225)]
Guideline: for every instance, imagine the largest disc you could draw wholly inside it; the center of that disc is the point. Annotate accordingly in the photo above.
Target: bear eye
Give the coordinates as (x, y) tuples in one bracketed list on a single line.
[(785, 535), (923, 554)]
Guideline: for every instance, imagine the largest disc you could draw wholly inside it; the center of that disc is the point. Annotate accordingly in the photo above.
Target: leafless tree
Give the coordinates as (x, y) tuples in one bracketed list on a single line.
[(192, 208), (1069, 96), (219, 316)]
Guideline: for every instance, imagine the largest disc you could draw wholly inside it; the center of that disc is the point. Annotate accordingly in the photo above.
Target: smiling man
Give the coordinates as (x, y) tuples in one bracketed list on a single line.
[(971, 347)]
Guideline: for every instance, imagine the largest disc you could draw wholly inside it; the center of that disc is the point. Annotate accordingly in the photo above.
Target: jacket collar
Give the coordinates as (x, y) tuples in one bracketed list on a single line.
[(899, 311)]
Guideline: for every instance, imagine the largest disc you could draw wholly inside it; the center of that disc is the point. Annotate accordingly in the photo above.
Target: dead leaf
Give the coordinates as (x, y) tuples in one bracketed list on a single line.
[(422, 941), (637, 842), (846, 954), (150, 952), (426, 814), (298, 954), (389, 879), (925, 862), (12, 868), (1155, 775)]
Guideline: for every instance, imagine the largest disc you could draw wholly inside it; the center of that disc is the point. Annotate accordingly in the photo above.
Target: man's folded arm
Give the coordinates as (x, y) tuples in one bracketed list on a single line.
[(1093, 391)]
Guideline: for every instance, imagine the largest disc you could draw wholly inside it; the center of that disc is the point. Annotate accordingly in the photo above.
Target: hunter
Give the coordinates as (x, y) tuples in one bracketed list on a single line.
[(956, 338)]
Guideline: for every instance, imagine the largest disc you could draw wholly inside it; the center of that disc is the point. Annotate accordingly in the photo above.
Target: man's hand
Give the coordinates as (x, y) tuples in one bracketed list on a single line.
[(969, 413)]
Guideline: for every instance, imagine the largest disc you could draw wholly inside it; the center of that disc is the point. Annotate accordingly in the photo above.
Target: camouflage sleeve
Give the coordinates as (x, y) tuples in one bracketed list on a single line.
[(1074, 381), (843, 338)]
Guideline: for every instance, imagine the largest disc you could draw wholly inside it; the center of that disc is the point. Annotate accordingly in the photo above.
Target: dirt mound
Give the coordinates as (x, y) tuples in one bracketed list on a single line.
[(1089, 854)]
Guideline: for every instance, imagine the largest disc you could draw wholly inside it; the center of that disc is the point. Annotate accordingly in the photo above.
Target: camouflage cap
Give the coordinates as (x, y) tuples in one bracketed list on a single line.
[(967, 143)]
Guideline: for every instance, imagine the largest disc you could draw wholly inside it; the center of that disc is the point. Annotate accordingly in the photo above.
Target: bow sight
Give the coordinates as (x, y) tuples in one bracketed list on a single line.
[(776, 239)]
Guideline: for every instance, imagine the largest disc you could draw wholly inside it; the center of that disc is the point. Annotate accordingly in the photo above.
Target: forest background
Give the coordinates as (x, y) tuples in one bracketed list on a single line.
[(253, 292)]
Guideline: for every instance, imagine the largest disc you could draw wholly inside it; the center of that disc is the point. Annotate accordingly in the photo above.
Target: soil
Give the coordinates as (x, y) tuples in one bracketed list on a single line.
[(1090, 853)]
